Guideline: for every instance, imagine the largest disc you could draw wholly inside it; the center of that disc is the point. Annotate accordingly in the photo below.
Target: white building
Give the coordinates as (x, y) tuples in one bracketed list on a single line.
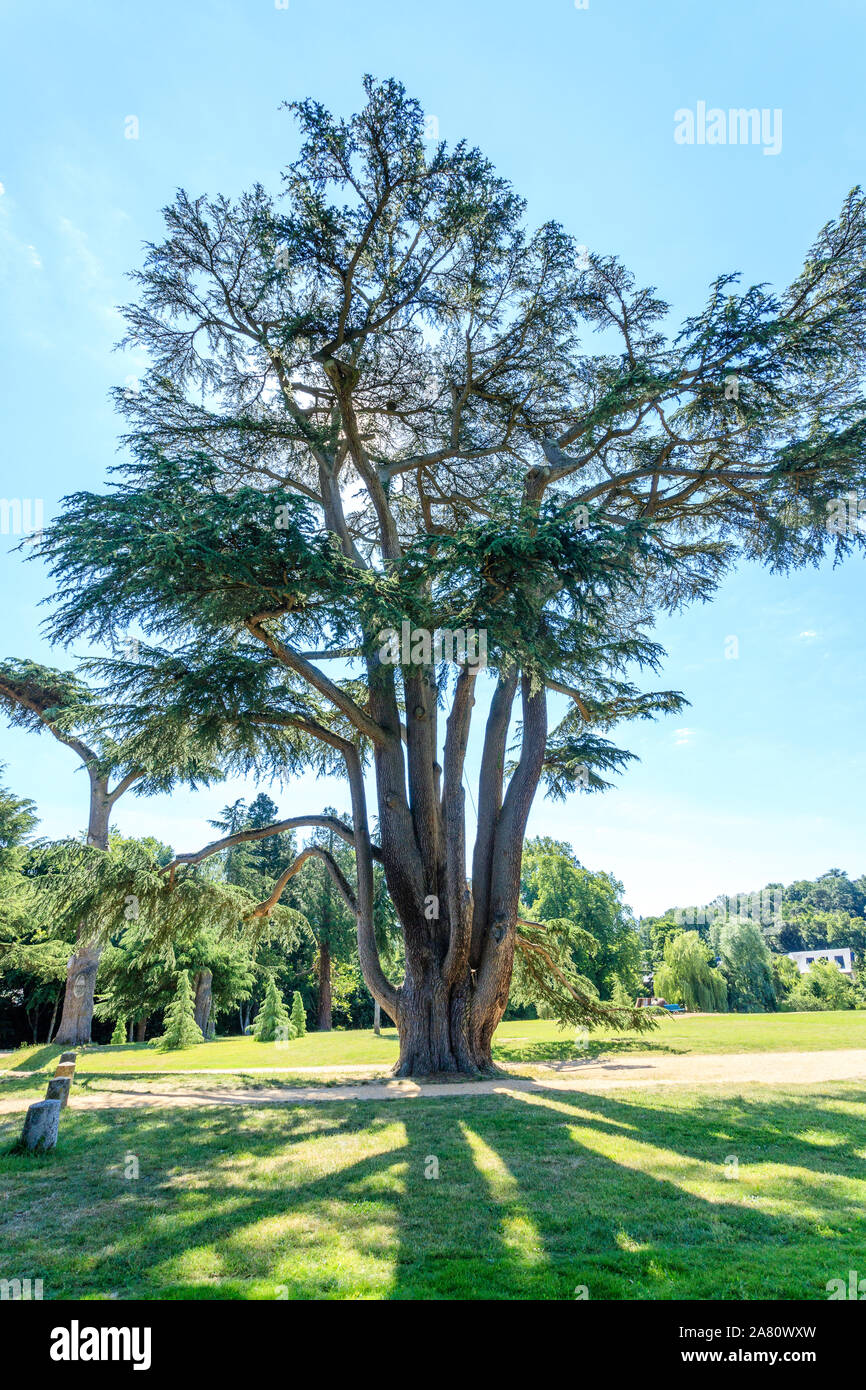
[(839, 955)]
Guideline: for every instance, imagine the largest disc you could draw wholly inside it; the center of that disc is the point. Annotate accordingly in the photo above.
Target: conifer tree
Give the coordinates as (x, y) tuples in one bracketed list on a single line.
[(273, 1023), (298, 1017), (180, 1028), (372, 417), (119, 1034)]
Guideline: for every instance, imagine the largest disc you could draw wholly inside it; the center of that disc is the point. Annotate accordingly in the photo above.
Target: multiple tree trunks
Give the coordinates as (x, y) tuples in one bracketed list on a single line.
[(203, 985), (460, 952), (324, 972)]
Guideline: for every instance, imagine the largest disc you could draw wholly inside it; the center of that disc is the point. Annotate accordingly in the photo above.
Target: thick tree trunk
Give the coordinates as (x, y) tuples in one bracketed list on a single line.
[(459, 964), (324, 988), (203, 998), (77, 1017), (76, 1020), (436, 1031), (141, 1030)]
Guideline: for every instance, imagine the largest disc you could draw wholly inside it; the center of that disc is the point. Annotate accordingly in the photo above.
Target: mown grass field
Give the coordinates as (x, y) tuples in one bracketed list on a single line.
[(526, 1041), (626, 1193)]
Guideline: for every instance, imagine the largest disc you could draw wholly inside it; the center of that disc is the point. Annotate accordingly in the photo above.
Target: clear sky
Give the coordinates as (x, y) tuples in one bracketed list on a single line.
[(762, 779)]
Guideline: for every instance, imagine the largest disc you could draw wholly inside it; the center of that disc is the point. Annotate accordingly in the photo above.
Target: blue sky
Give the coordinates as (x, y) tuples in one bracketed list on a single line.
[(762, 778)]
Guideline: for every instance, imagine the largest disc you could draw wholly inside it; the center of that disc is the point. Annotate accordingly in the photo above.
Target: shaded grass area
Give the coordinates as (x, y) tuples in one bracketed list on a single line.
[(533, 1040), (537, 1195)]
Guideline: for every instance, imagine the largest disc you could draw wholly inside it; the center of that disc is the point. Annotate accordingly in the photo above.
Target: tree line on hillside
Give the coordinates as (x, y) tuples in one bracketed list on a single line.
[(733, 953)]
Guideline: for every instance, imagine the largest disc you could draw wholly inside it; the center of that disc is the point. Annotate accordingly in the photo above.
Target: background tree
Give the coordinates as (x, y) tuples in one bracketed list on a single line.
[(555, 885), (336, 379), (254, 861), (331, 921), (37, 698), (298, 1015), (688, 977), (786, 976), (272, 1019), (822, 987), (32, 961), (746, 965), (137, 974), (181, 1029)]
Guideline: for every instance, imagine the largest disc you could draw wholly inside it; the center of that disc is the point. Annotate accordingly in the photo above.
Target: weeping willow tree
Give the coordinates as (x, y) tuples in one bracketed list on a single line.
[(687, 975), (371, 431)]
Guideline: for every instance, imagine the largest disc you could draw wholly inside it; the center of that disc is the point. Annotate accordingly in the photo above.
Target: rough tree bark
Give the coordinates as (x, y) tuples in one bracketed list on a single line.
[(203, 986), (76, 1020)]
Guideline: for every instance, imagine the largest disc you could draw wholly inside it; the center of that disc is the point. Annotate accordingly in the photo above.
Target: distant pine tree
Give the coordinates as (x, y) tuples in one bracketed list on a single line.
[(299, 1017), (119, 1034), (272, 1021), (181, 1029)]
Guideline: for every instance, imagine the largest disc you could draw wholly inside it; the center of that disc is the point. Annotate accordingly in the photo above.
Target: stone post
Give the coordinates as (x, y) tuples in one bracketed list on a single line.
[(41, 1124), (58, 1089)]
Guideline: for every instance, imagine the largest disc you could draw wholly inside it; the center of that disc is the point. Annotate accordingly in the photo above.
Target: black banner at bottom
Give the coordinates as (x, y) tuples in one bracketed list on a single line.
[(61, 1342)]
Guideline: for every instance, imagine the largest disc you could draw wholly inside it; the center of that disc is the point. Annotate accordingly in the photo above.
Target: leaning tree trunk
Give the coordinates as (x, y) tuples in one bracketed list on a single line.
[(76, 1020), (203, 998), (325, 1004)]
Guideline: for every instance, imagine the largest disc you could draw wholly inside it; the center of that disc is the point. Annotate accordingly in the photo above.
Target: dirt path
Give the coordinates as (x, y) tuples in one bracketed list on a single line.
[(735, 1069)]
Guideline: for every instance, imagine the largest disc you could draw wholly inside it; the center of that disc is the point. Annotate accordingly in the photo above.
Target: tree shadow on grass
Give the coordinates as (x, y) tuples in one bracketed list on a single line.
[(35, 1061), (537, 1195), (588, 1049)]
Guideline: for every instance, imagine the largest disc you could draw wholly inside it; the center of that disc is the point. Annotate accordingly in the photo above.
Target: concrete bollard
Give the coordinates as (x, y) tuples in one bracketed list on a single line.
[(58, 1089), (41, 1124), (67, 1057), (65, 1069)]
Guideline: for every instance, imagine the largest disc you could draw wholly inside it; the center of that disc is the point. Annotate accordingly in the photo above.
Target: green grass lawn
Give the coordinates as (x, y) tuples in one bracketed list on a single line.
[(527, 1041), (623, 1193)]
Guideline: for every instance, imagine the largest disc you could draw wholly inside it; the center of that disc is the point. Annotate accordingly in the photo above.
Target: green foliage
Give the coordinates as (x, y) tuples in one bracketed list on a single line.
[(578, 960), (298, 1016), (32, 958), (786, 976), (390, 331), (822, 987), (272, 1021), (138, 969), (747, 967), (180, 1028), (128, 882), (605, 946), (688, 977), (119, 1034), (40, 698)]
